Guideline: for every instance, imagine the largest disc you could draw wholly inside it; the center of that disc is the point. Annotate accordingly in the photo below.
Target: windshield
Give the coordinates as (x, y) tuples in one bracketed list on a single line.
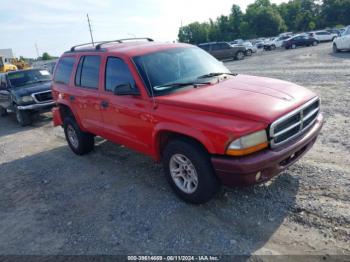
[(178, 65), (28, 77)]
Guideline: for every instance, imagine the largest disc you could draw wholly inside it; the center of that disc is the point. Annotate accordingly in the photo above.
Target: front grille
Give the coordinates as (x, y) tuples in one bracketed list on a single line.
[(295, 123), (43, 97)]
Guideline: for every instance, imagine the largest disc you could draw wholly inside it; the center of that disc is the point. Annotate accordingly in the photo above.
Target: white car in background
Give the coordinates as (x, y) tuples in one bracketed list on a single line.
[(342, 42), (250, 48), (323, 35), (279, 40), (275, 42)]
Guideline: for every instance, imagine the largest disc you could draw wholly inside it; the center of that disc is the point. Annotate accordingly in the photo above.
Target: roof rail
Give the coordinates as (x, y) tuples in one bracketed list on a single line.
[(123, 40), (100, 43), (91, 44)]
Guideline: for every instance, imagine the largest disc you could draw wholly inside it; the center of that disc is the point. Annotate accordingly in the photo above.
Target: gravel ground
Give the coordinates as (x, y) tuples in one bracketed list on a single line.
[(115, 201)]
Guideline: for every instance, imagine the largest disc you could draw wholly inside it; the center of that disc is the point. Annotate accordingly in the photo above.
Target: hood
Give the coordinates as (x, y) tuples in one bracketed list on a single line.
[(249, 97), (30, 89)]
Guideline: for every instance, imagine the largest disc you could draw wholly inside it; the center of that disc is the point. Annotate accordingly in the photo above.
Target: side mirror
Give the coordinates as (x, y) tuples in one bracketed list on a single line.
[(126, 89)]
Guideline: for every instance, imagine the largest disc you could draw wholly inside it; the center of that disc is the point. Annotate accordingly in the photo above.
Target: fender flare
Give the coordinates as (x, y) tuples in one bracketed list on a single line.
[(180, 129)]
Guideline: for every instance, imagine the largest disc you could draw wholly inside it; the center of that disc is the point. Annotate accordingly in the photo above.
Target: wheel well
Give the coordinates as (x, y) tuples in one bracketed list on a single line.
[(65, 111), (166, 136)]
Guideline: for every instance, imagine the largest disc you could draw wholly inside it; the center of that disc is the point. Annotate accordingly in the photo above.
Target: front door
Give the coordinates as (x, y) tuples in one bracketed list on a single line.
[(127, 118), (4, 93)]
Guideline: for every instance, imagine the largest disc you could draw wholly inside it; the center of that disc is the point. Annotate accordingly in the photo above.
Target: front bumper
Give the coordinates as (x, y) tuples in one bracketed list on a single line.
[(234, 171), (41, 106)]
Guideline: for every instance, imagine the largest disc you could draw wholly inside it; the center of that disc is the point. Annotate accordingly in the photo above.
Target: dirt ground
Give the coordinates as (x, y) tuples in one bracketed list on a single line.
[(115, 201)]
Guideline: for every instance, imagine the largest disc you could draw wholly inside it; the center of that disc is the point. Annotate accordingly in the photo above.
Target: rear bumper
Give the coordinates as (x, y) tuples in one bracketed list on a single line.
[(41, 106), (234, 171)]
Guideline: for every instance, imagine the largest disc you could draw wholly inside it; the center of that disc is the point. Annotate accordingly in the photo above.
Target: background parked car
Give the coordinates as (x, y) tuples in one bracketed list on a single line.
[(259, 43), (25, 92), (249, 47), (299, 40), (334, 31), (342, 42), (323, 36), (223, 50)]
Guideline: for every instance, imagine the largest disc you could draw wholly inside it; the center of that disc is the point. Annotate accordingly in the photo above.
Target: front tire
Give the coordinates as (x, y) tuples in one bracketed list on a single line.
[(189, 171), (23, 117), (335, 48), (80, 142), (239, 55)]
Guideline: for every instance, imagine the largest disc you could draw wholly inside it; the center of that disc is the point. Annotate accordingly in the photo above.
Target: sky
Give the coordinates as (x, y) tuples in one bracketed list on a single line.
[(56, 25)]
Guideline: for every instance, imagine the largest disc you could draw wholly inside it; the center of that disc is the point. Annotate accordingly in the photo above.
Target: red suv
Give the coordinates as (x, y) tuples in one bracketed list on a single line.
[(178, 104)]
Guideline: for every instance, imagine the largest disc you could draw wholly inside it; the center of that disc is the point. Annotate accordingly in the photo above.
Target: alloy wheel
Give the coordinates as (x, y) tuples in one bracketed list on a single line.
[(183, 173), (72, 136)]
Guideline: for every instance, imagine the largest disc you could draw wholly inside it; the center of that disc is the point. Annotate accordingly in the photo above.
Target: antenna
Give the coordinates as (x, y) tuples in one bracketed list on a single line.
[(92, 39)]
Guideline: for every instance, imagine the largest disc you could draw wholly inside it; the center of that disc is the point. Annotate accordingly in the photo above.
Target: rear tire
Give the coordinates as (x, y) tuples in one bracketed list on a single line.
[(23, 117), (3, 111), (80, 142), (189, 171)]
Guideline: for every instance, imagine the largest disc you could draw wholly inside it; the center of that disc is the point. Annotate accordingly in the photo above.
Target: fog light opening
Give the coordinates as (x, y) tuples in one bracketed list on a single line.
[(258, 176)]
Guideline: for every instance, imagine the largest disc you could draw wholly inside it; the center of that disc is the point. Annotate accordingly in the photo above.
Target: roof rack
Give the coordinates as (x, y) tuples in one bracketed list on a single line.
[(123, 40), (91, 44), (100, 43)]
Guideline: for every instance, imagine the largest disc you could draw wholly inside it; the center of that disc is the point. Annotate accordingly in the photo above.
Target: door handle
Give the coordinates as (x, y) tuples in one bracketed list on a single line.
[(71, 98), (104, 104)]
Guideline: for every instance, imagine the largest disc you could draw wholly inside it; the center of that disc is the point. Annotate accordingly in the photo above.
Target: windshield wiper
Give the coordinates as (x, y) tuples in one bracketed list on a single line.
[(180, 84), (215, 74)]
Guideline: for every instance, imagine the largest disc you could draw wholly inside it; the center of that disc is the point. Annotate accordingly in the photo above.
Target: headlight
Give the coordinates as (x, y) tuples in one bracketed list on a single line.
[(248, 144), (26, 99)]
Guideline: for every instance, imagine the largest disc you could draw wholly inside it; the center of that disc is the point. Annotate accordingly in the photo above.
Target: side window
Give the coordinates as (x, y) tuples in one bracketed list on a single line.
[(215, 47), (225, 46), (117, 73), (64, 70), (204, 47), (347, 31), (87, 74)]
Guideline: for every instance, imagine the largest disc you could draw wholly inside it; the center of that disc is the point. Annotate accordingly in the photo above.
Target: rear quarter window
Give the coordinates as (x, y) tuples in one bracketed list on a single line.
[(64, 70)]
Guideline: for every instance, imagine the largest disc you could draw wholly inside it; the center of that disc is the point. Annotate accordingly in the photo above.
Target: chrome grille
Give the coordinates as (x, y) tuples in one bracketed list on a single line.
[(43, 97), (294, 123)]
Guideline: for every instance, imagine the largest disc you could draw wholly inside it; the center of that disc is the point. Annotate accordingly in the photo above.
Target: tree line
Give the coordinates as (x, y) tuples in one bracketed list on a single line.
[(264, 19)]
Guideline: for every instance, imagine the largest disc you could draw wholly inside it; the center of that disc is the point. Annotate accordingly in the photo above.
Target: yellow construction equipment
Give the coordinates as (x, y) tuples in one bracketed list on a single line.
[(6, 67), (20, 64)]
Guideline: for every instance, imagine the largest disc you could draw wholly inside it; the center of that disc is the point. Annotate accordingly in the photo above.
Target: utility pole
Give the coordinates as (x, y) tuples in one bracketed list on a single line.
[(92, 39), (37, 50)]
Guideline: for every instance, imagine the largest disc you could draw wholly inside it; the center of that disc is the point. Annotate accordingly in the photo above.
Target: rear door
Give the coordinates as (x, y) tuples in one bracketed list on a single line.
[(85, 94), (127, 118)]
